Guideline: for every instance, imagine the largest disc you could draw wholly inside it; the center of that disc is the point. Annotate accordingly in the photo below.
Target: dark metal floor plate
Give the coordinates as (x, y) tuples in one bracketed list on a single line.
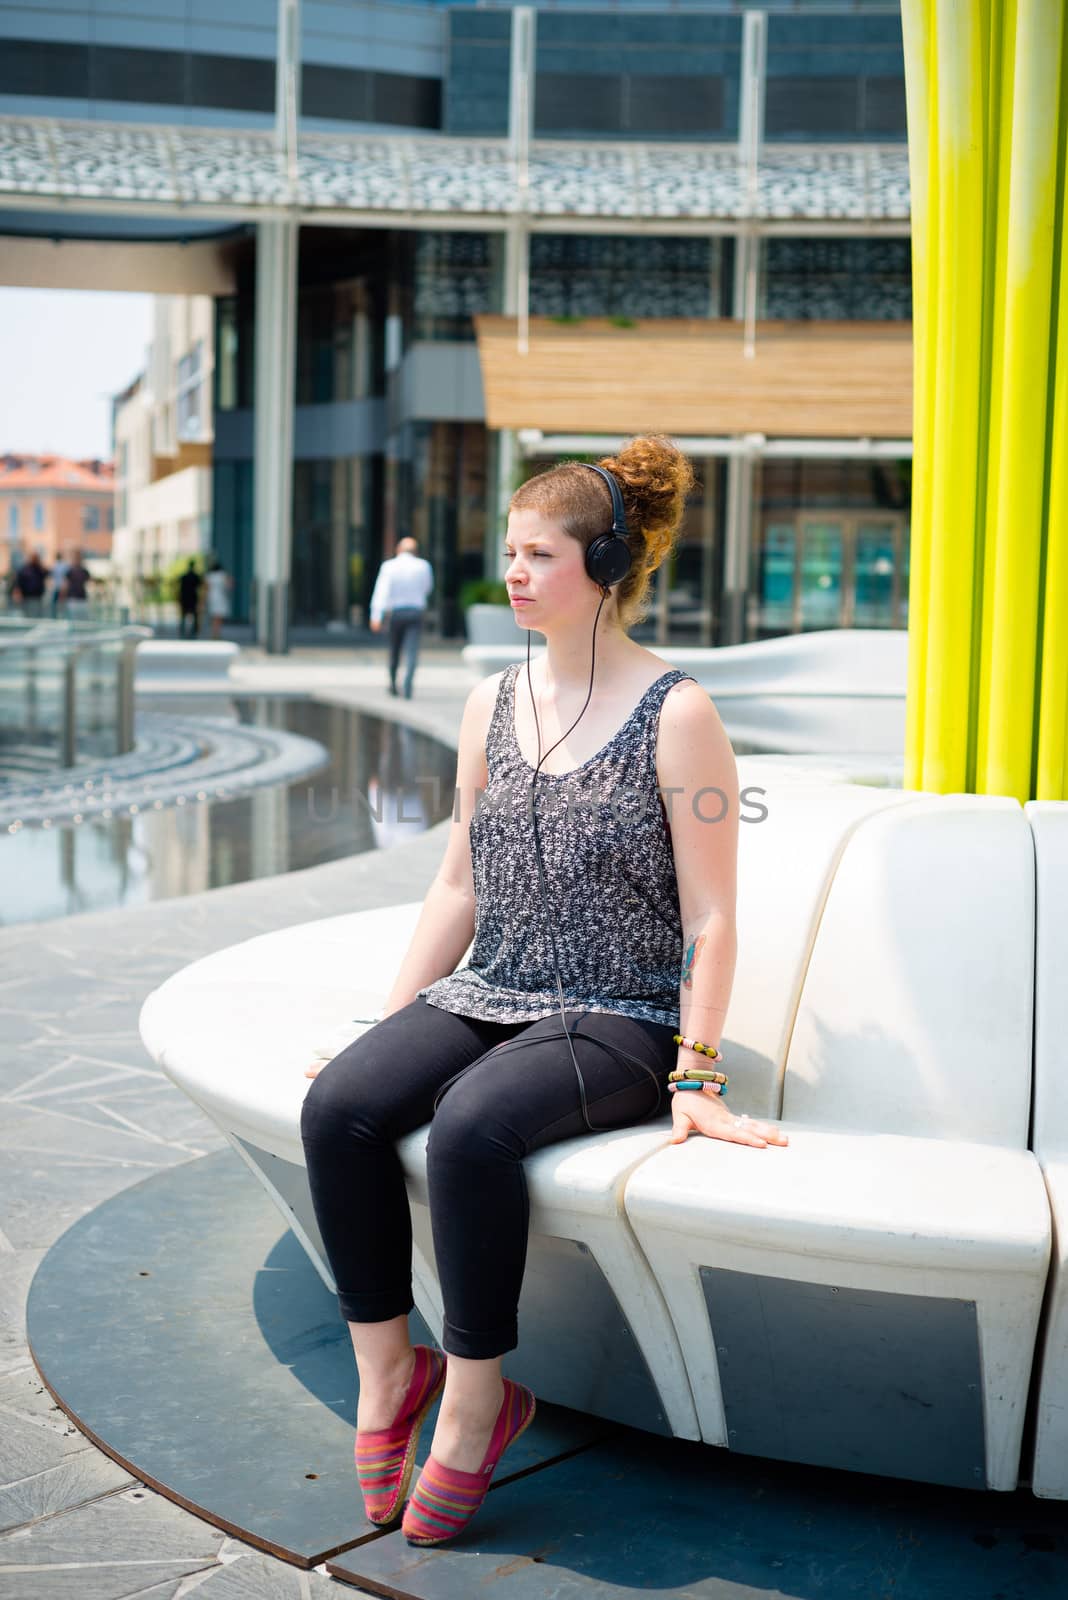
[(183, 1328), (643, 1518)]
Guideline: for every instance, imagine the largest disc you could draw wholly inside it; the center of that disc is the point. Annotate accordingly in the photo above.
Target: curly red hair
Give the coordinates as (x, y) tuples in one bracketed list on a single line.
[(654, 478)]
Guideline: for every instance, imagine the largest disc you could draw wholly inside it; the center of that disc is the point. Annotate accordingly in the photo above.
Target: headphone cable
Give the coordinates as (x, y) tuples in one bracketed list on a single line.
[(543, 889)]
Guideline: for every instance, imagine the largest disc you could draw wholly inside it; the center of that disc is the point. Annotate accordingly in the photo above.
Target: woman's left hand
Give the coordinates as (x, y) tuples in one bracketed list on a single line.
[(701, 1112)]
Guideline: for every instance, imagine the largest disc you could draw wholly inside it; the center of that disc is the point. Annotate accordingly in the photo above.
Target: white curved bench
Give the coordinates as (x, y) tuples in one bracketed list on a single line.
[(169, 664), (837, 689), (869, 1297), (615, 1315), (1049, 824)]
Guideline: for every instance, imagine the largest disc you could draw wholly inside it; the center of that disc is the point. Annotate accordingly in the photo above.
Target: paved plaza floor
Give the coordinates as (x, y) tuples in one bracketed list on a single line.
[(86, 1113)]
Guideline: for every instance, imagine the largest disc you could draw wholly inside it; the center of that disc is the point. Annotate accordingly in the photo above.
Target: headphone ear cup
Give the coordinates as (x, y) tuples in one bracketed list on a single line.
[(607, 559)]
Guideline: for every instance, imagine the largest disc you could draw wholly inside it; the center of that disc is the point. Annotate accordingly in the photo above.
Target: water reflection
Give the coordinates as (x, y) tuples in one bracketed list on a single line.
[(383, 782)]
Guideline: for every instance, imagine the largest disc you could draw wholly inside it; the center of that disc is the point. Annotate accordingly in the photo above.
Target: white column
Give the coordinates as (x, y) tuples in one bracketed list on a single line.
[(750, 137), (516, 295), (736, 545), (507, 458), (520, 136), (737, 533), (276, 316), (272, 495), (287, 84)]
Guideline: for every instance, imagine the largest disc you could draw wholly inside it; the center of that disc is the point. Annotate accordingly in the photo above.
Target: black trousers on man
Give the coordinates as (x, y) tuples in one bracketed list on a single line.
[(405, 630)]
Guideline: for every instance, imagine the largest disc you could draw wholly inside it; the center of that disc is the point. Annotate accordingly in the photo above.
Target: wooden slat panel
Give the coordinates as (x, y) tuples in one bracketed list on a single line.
[(813, 380)]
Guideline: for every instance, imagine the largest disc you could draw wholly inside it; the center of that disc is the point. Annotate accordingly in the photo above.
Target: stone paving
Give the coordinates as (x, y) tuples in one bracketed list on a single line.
[(85, 1113)]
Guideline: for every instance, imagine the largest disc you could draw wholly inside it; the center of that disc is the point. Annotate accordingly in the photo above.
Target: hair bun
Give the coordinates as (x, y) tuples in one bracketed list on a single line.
[(655, 478)]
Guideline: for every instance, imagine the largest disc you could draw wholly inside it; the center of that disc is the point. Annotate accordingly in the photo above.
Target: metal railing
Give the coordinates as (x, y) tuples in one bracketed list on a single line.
[(66, 693)]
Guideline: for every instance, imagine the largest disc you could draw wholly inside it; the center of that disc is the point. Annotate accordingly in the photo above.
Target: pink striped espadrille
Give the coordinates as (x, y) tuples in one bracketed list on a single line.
[(446, 1499), (385, 1457)]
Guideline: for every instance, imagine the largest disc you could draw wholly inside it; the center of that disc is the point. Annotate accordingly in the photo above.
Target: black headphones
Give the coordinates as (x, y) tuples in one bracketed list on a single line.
[(608, 556)]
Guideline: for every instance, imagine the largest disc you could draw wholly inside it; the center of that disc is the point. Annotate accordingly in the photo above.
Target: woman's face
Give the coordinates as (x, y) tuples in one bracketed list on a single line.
[(547, 581)]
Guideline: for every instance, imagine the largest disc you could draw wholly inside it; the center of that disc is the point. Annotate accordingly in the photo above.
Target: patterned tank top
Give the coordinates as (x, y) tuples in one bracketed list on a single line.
[(610, 871)]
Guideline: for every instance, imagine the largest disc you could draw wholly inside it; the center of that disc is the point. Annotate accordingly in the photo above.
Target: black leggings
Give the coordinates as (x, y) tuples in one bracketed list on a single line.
[(383, 1086)]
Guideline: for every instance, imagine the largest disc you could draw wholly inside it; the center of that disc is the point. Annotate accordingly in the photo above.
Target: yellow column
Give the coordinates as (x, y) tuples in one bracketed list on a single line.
[(988, 604)]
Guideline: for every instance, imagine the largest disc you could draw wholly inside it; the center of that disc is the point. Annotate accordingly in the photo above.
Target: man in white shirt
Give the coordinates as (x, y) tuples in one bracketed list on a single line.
[(402, 588)]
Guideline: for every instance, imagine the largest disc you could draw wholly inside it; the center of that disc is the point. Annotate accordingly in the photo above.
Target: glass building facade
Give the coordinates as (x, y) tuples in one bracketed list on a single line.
[(390, 433)]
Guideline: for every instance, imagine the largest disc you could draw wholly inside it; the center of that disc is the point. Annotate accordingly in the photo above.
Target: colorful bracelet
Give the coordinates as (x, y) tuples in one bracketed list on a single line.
[(704, 1074), (708, 1050), (716, 1088)]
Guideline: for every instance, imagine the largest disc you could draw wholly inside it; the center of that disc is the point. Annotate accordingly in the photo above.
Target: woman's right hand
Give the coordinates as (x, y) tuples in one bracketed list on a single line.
[(705, 1112)]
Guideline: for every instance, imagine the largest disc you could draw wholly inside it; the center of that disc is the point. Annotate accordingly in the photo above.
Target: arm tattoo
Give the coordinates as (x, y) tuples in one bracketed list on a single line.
[(693, 950)]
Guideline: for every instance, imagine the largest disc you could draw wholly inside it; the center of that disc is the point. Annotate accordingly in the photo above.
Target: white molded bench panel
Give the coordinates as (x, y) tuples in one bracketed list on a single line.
[(237, 1029), (785, 866), (835, 689), (1049, 825), (916, 1012), (876, 1213)]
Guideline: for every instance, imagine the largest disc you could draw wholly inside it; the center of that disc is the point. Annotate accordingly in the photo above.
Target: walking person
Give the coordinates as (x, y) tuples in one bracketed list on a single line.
[(219, 584), (602, 964), (60, 568), (74, 589), (402, 588), (189, 585), (29, 587)]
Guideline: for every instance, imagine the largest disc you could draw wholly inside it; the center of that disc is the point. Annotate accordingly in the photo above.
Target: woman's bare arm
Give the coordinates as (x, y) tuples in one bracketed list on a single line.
[(698, 777)]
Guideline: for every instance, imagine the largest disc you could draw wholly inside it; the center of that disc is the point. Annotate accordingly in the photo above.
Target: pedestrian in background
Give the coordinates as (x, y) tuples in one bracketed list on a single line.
[(74, 588), (30, 583), (219, 583), (189, 602), (59, 571), (402, 588)]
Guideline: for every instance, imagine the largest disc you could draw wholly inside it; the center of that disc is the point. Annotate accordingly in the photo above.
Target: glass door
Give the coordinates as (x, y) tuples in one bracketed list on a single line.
[(777, 585), (877, 567), (829, 571), (820, 585)]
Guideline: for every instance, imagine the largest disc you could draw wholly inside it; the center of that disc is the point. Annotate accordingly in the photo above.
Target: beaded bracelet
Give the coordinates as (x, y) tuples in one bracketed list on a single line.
[(697, 1075), (716, 1088), (708, 1050)]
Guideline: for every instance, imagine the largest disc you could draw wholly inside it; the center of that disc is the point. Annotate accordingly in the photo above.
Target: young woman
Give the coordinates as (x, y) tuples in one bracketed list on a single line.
[(593, 858)]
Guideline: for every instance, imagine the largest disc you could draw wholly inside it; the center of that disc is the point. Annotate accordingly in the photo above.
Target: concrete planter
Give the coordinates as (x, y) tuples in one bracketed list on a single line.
[(490, 625)]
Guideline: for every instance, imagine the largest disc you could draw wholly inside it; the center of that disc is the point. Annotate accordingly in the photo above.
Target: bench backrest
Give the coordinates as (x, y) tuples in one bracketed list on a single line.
[(1049, 827), (915, 1016), (785, 865)]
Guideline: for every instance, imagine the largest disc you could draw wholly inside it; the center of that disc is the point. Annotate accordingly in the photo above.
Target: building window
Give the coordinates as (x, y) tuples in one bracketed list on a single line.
[(38, 516), (834, 78), (338, 337), (190, 393), (12, 520), (235, 349), (572, 275), (836, 280), (90, 519), (455, 276)]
